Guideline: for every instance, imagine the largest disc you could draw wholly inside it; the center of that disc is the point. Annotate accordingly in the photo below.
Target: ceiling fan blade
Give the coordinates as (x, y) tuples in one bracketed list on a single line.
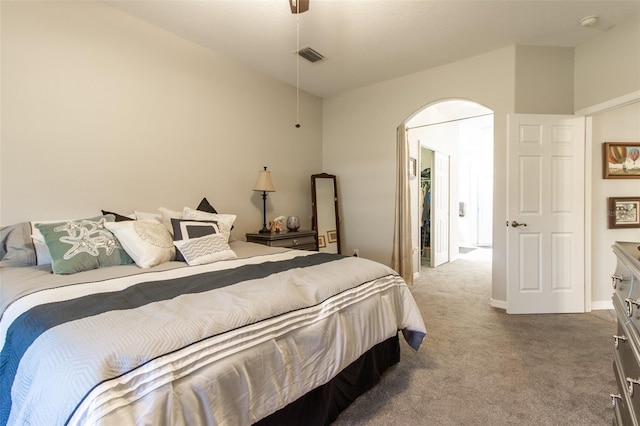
[(299, 6)]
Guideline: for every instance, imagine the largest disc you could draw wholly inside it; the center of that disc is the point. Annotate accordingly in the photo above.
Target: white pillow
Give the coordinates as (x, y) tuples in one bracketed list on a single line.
[(43, 257), (225, 221), (148, 242), (207, 249), (167, 215), (148, 216)]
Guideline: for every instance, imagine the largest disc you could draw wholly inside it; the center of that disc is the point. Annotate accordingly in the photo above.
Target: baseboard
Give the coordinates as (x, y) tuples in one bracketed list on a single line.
[(500, 304), (600, 305)]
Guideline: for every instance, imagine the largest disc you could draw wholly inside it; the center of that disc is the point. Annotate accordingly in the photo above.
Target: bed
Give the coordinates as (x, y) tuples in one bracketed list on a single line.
[(262, 336)]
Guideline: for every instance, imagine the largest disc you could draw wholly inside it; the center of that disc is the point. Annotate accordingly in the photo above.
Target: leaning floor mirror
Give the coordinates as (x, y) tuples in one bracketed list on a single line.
[(326, 221)]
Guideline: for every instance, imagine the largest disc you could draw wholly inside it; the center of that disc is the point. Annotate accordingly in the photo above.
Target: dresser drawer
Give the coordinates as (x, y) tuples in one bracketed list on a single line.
[(623, 414), (626, 302), (631, 309), (295, 242), (622, 281), (627, 358)]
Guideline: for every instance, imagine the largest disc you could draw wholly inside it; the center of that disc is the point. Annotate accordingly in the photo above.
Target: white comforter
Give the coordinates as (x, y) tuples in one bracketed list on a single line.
[(227, 355)]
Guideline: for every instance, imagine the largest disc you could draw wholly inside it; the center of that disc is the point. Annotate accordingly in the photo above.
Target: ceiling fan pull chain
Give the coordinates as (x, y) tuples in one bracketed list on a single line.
[(297, 65)]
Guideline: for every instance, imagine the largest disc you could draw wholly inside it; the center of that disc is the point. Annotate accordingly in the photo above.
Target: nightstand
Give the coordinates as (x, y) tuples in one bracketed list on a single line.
[(301, 240)]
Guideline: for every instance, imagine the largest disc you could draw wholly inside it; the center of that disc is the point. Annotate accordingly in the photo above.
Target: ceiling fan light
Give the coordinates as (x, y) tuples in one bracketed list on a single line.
[(299, 6), (587, 21)]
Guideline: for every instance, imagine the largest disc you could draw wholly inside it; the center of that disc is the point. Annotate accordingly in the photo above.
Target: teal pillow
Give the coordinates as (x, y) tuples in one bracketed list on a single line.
[(81, 245)]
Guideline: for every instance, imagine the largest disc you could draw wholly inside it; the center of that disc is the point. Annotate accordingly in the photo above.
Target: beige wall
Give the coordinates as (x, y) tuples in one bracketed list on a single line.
[(618, 125), (608, 66), (359, 145), (544, 80), (103, 111), (359, 126)]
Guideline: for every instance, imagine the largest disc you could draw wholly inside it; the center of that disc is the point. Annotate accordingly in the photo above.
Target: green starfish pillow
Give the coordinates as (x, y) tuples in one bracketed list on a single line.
[(81, 245)]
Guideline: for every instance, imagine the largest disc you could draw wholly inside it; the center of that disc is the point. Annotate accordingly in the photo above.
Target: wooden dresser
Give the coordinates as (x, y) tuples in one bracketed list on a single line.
[(626, 359)]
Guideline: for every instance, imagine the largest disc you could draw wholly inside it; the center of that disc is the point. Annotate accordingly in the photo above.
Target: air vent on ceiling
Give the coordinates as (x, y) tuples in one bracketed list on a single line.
[(311, 55)]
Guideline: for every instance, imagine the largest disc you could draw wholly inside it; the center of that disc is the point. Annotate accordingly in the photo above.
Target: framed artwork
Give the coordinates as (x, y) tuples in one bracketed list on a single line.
[(621, 160), (413, 167), (332, 236), (624, 212), (321, 242)]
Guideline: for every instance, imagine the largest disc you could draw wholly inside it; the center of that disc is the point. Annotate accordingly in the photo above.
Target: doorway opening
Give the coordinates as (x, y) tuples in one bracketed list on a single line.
[(452, 198)]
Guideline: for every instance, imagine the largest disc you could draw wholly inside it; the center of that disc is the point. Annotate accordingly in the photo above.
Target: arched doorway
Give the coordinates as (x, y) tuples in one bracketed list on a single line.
[(451, 143)]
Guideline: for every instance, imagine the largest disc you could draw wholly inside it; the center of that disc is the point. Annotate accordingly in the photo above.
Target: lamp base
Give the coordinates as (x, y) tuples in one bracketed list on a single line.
[(264, 231)]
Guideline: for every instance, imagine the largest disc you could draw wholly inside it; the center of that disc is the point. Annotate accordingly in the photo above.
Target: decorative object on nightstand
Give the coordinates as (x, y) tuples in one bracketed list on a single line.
[(277, 224), (293, 223), (265, 185), (301, 239)]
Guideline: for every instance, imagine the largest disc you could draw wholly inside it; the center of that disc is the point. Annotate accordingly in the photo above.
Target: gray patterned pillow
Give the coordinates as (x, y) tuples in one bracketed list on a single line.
[(82, 245)]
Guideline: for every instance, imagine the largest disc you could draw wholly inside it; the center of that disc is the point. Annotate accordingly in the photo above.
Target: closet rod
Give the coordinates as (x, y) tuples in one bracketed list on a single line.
[(450, 121)]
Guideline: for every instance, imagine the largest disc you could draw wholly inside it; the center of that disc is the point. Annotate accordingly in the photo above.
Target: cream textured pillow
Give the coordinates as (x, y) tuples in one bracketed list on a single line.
[(207, 249), (148, 242), (148, 216)]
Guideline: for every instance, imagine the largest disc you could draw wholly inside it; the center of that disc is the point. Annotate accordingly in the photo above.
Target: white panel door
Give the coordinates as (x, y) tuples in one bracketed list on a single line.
[(440, 209), (545, 214)]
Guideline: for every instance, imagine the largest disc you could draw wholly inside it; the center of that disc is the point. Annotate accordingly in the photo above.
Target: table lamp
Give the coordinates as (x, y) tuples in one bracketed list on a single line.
[(265, 185)]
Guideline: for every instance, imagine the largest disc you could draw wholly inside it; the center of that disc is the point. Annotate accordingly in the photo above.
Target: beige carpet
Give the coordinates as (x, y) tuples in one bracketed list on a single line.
[(480, 366)]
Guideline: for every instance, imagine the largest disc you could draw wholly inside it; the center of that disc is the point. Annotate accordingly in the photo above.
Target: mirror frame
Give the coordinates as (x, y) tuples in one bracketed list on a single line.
[(314, 219)]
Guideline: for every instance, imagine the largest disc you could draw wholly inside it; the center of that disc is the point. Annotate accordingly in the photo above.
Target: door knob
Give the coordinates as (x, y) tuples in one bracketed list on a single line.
[(516, 224)]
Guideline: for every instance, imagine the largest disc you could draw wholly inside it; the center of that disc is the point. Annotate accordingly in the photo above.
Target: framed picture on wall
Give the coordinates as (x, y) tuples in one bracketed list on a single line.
[(321, 241), (624, 212), (332, 236), (621, 160)]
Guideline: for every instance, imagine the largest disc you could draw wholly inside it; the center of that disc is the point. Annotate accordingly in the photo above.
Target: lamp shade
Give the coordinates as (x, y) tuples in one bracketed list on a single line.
[(264, 182)]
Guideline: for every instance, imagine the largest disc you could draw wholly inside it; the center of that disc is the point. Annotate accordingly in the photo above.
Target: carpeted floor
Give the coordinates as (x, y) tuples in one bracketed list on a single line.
[(480, 366)]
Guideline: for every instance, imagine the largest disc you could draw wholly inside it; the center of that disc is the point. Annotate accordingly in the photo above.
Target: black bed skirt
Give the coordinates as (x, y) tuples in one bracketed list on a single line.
[(322, 405)]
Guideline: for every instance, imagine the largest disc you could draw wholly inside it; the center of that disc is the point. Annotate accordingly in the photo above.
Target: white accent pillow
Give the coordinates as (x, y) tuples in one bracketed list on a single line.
[(224, 221), (167, 215), (43, 257), (148, 242), (207, 249), (148, 216)]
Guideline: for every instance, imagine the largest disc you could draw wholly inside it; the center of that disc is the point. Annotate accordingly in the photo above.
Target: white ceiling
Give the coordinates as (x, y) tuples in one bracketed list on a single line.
[(371, 41)]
